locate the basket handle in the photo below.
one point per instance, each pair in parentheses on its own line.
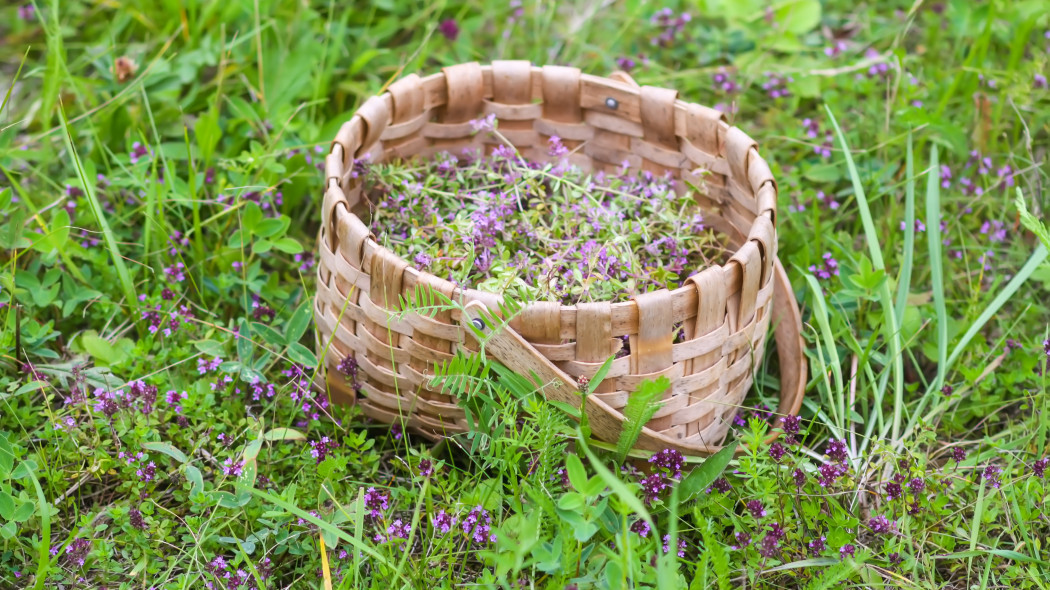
(518,355)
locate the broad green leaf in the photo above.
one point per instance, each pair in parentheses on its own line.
(798,16)
(166,449)
(284,434)
(299,322)
(703,476)
(288,245)
(577,474)
(193,475)
(302,355)
(7,506)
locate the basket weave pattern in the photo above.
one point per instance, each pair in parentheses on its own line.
(723,311)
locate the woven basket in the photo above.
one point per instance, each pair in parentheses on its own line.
(724,311)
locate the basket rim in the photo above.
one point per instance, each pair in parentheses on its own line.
(686,295)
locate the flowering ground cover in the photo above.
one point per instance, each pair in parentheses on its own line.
(543,231)
(159,188)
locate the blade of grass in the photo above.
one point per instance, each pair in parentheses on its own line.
(933,239)
(837,394)
(892,333)
(100,217)
(904,278)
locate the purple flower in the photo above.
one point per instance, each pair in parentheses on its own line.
(828,268)
(232,467)
(1039,81)
(398,530)
(484,124)
(376,501)
(425,467)
(777,451)
(800,477)
(917,485)
(769,546)
(449,28)
(1039,467)
(319,449)
(958,454)
(881,525)
(894,491)
(135,518)
(828,473)
(756,509)
(77,551)
(26,12)
(681,545)
(991,475)
(641,527)
(847,551)
(396,431)
(625,63)
(742,540)
(562,477)
(443,521)
(837,451)
(723,81)
(423,260)
(816,546)
(652,486)
(721,485)
(477,526)
(669,460)
(776,85)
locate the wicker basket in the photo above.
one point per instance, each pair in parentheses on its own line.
(724,310)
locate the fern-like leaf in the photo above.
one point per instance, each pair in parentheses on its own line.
(641,406)
(718,555)
(1030,222)
(832,575)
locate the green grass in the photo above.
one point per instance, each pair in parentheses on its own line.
(929,339)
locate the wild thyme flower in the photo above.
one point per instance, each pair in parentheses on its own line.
(1039,467)
(742,540)
(847,551)
(828,473)
(652,486)
(958,454)
(991,475)
(837,451)
(777,451)
(669,460)
(756,509)
(320,449)
(232,467)
(561,476)
(425,468)
(881,525)
(770,546)
(667,545)
(376,501)
(477,526)
(77,551)
(641,527)
(828,268)
(449,29)
(799,477)
(720,485)
(399,530)
(818,545)
(894,491)
(136,520)
(443,521)
(917,485)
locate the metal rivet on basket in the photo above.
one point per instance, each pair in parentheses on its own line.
(478,323)
(612,103)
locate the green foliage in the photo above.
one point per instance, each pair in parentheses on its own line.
(640,408)
(158,231)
